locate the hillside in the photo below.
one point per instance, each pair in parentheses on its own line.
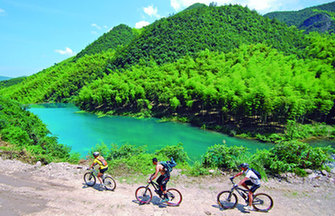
(213,28)
(11,81)
(120,35)
(319,18)
(166,40)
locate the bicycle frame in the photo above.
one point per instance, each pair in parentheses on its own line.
(241,191)
(95,173)
(155,186)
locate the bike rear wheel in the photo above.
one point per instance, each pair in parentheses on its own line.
(262,202)
(174,196)
(110,183)
(89,179)
(143,194)
(227,200)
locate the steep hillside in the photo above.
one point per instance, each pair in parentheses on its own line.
(168,39)
(249,83)
(213,28)
(319,18)
(27,134)
(11,81)
(59,82)
(120,35)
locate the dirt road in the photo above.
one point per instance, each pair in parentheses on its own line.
(58,189)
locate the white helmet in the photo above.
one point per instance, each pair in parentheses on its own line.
(96,154)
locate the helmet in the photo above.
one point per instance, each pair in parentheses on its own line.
(243,165)
(96,154)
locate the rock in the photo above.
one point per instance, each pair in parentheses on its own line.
(211,171)
(324,172)
(208,213)
(38,164)
(309,171)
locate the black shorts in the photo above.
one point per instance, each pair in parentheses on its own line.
(162,181)
(254,187)
(103,170)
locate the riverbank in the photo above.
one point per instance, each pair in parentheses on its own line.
(58,189)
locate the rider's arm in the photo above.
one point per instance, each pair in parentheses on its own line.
(156,173)
(238,174)
(94,163)
(242,181)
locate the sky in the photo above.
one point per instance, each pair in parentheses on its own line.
(36,34)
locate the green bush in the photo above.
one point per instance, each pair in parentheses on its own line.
(293,156)
(223,157)
(176,151)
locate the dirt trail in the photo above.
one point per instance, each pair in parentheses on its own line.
(58,189)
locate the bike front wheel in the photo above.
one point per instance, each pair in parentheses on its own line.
(89,179)
(110,183)
(262,202)
(227,200)
(174,196)
(143,194)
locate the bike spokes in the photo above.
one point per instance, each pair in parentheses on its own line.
(174,196)
(143,195)
(89,179)
(262,202)
(227,200)
(110,183)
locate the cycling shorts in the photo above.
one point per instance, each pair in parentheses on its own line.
(254,187)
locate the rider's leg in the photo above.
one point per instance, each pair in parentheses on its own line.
(164,182)
(101,173)
(251,193)
(99,177)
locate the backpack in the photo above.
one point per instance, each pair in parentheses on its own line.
(102,160)
(257,173)
(168,165)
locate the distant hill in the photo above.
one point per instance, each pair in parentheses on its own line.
(166,40)
(214,28)
(319,18)
(120,35)
(11,81)
(4,78)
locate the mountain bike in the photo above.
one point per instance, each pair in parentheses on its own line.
(228,199)
(144,195)
(90,179)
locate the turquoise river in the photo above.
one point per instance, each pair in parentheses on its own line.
(82,131)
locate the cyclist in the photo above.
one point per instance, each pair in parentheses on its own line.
(163,178)
(250,179)
(98,159)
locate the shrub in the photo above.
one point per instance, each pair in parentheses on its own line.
(223,156)
(176,151)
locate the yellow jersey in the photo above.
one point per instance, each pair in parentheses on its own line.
(98,160)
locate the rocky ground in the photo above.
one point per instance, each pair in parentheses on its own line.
(58,189)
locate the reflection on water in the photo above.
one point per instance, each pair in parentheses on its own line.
(82,131)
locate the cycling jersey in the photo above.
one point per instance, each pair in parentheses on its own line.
(97,161)
(252,176)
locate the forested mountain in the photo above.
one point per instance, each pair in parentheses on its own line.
(61,81)
(30,136)
(319,18)
(120,35)
(166,40)
(214,65)
(213,28)
(11,81)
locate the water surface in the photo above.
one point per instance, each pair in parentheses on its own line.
(82,131)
